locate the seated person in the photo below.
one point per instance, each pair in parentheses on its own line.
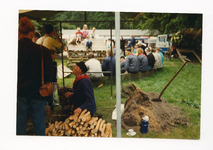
(158,61)
(78,36)
(143,61)
(87,42)
(159,51)
(132,63)
(151,58)
(123,63)
(133,50)
(83,95)
(93,33)
(141,45)
(93,66)
(106,65)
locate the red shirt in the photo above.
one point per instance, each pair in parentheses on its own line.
(78,34)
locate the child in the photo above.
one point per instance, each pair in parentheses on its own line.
(93,33)
(54,82)
(84,32)
(87,42)
(78,36)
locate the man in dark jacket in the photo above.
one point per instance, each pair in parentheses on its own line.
(106,64)
(151,58)
(83,95)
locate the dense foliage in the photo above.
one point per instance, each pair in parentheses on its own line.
(165,23)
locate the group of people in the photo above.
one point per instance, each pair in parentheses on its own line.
(136,57)
(84,36)
(29,101)
(151,59)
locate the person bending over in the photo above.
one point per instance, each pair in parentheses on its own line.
(48,41)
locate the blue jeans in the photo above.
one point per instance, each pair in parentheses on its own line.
(89,44)
(34,107)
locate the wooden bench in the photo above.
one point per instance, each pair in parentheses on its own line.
(106,80)
(79,52)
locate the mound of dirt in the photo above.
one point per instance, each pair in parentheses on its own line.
(162,116)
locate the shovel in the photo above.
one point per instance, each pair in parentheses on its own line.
(159,98)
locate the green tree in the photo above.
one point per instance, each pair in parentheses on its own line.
(169,22)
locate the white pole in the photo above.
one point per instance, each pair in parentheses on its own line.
(118,73)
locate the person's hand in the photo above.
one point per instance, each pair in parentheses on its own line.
(126,72)
(56,83)
(69,94)
(77,110)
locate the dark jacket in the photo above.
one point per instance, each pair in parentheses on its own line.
(83,95)
(143,63)
(151,60)
(55,72)
(29,68)
(132,64)
(122,44)
(106,65)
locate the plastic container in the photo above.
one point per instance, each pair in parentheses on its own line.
(144,126)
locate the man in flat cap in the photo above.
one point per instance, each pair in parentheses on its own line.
(83,95)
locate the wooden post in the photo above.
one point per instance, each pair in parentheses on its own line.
(197,56)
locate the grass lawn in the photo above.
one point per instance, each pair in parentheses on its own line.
(186,86)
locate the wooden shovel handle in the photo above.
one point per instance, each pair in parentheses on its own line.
(171,80)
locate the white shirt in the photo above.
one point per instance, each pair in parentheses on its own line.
(94,65)
(158,61)
(49,42)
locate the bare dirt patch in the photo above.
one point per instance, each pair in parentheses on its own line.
(162,115)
